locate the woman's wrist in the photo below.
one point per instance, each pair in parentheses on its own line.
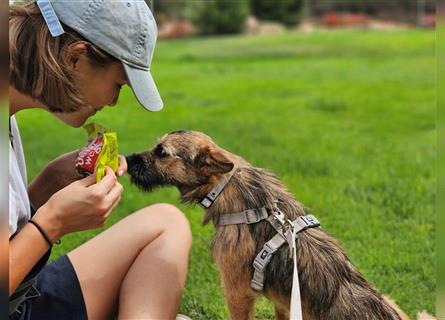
(40,189)
(49,222)
(42,232)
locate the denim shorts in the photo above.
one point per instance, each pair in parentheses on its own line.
(56,295)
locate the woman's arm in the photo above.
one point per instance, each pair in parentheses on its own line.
(55,176)
(82,205)
(26,249)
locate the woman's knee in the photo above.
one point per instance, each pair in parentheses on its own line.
(172,220)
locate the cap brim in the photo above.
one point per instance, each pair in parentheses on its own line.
(144,88)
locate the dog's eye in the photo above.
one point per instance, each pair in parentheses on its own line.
(160,152)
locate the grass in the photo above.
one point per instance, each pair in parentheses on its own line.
(345,119)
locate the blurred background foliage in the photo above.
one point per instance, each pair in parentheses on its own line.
(228,16)
(219,16)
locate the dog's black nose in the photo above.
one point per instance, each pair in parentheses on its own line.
(133,160)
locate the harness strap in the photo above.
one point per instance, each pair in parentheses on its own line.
(262,260)
(276,224)
(304,222)
(247,216)
(214,193)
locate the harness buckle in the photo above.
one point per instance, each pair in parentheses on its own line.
(279,216)
(304,222)
(250,216)
(310,220)
(206,202)
(291,237)
(256,285)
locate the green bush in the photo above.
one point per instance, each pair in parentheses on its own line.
(288,12)
(169,8)
(219,16)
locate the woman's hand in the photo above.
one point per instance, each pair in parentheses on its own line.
(58,174)
(82,205)
(123,167)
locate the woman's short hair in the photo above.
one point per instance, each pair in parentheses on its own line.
(39,62)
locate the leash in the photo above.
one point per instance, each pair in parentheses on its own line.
(295,300)
(287,231)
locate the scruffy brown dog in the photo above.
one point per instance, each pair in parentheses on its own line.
(331,287)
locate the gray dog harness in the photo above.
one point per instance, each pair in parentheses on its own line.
(287,231)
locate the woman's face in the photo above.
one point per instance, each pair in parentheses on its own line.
(99,86)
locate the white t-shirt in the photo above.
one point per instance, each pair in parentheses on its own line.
(19,205)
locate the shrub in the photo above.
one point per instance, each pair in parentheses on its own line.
(288,12)
(219,16)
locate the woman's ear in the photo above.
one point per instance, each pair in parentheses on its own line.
(76,54)
(214,161)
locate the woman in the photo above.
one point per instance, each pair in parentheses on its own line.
(71,58)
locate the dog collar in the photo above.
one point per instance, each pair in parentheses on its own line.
(210,198)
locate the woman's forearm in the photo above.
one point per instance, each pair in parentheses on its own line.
(40,190)
(56,175)
(26,249)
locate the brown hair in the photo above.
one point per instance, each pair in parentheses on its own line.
(39,62)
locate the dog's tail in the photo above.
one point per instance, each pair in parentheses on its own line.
(420,316)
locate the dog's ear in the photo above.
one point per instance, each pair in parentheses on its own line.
(213,161)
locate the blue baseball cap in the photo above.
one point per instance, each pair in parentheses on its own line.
(124,29)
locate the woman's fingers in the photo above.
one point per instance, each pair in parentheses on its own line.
(114,193)
(107,183)
(123,167)
(113,198)
(114,205)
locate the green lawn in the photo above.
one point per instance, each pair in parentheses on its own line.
(345,119)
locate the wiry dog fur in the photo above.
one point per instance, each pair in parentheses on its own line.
(331,287)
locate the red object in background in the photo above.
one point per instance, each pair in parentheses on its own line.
(353,19)
(330,19)
(333,19)
(429,21)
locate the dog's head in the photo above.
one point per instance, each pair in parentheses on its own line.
(185,159)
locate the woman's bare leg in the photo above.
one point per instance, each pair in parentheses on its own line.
(140,264)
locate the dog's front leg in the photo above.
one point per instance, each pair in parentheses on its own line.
(281,314)
(240,303)
(239,296)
